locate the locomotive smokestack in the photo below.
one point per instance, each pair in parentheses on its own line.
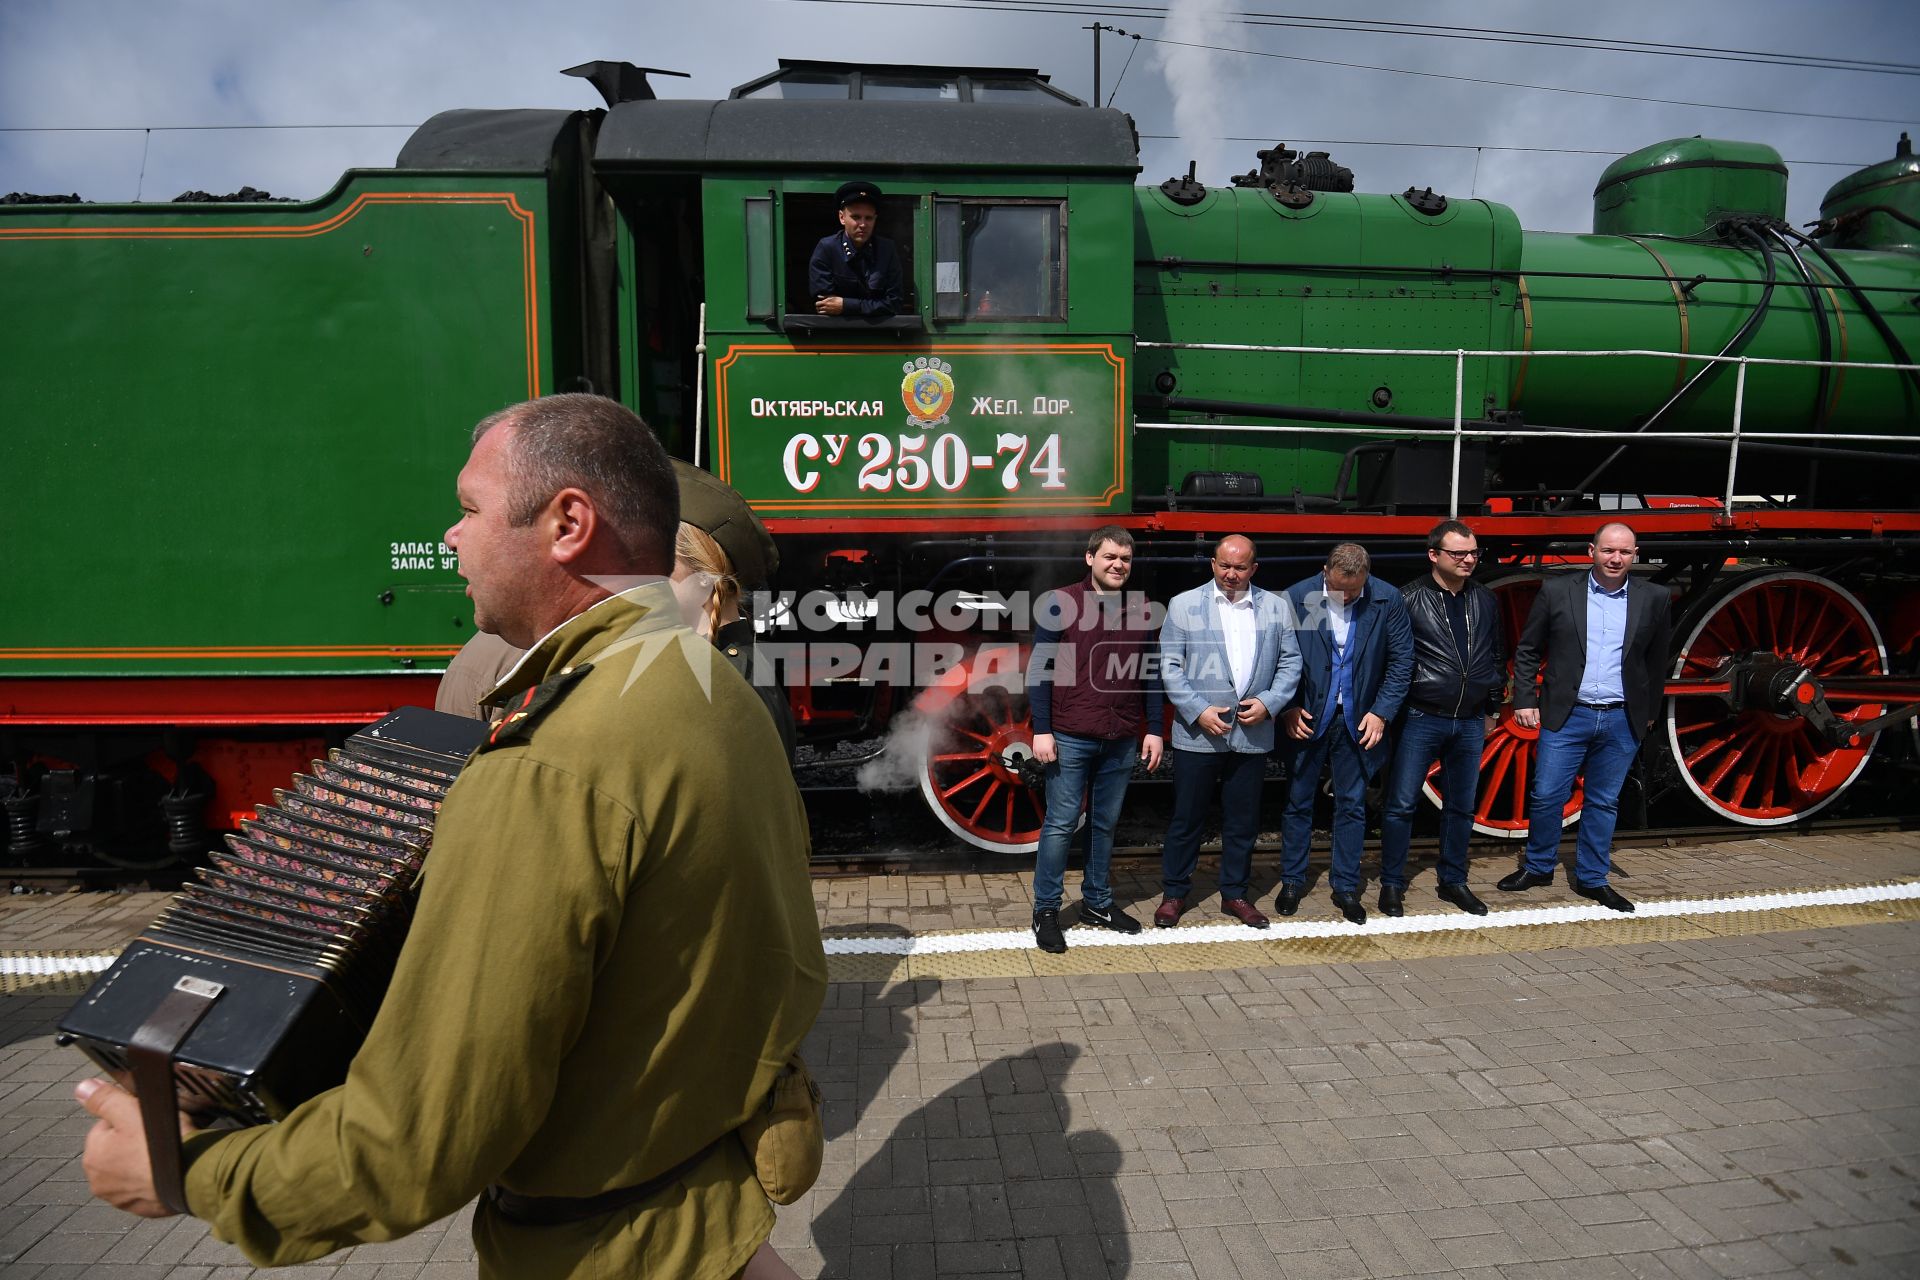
(620,82)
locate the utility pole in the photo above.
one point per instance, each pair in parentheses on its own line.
(1097,28)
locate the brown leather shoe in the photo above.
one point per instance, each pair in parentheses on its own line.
(1168,913)
(1243,911)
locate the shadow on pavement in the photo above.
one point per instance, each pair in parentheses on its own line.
(987,1176)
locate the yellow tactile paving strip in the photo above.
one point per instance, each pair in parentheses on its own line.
(977,922)
(1256,953)
(1188,957)
(67,981)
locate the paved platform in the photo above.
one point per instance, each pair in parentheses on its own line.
(1726,1089)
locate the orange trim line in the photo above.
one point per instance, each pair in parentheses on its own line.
(269,231)
(1680,304)
(1526,344)
(723,453)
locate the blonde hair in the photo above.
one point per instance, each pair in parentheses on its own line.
(697,548)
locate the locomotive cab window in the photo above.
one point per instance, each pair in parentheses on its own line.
(808,217)
(1000,260)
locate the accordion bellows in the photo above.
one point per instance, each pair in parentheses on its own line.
(293,929)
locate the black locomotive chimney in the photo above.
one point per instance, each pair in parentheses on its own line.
(620,82)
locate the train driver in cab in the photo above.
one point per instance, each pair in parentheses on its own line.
(854,272)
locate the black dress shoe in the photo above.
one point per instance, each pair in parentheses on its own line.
(1604,895)
(1524,879)
(1349,904)
(1462,897)
(1392,901)
(1287,901)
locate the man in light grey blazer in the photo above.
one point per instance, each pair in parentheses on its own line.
(1229,663)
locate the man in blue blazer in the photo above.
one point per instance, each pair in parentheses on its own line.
(1229,663)
(1356,653)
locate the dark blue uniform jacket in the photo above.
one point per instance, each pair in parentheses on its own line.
(868,278)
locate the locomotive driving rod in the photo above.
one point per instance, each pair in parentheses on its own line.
(1787,689)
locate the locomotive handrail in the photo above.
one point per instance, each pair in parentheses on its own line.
(1460,431)
(1453,352)
(1544,433)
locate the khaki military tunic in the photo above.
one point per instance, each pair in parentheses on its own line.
(473,673)
(615,951)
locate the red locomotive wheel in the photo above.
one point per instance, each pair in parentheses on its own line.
(1903,648)
(1756,766)
(1506,760)
(978,731)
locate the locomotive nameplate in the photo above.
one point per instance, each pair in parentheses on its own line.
(1007,428)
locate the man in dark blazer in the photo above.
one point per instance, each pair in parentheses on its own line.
(1603,640)
(1356,655)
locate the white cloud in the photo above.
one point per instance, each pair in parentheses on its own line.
(133,62)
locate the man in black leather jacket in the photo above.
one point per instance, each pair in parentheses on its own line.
(1459,682)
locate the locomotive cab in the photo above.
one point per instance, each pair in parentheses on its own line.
(999,387)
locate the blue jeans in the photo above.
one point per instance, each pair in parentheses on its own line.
(1106,766)
(1456,745)
(1196,775)
(1349,807)
(1601,745)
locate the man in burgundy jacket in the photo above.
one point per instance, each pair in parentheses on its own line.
(1097,706)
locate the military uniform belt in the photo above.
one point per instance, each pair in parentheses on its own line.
(554,1211)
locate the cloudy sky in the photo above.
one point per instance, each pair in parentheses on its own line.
(90,67)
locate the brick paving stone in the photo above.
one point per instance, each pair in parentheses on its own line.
(1694,1106)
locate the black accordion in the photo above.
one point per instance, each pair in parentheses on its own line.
(253,989)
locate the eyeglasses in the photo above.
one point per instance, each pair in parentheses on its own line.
(1461,557)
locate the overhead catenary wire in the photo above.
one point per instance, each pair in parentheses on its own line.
(1133,49)
(1491,35)
(1509,84)
(1144,137)
(1154,12)
(1608,44)
(1043,7)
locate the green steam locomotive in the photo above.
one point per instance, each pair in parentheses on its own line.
(232,428)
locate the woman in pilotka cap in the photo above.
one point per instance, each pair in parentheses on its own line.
(722,553)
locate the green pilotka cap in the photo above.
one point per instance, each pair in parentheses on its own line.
(710,505)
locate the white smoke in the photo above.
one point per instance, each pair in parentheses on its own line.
(995,672)
(1198,79)
(910,736)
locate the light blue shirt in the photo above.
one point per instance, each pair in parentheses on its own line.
(1606,636)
